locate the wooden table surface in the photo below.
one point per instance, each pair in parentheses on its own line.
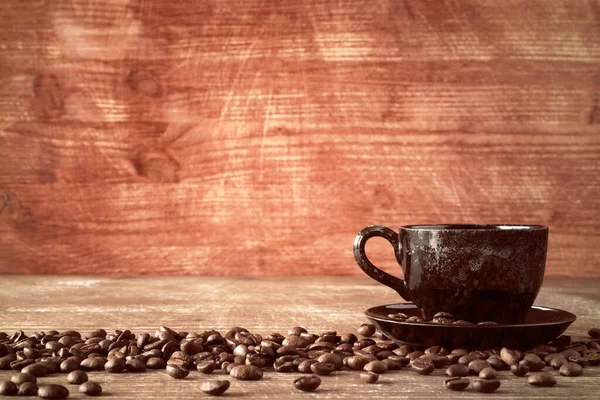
(38,303)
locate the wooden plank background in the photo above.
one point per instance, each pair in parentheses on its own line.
(239,137)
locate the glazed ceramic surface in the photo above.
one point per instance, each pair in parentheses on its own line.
(541,325)
(476,272)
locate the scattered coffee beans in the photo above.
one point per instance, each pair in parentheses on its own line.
(177,372)
(28,389)
(53,392)
(476,366)
(486,385)
(307,383)
(422,367)
(488,373)
(377,367)
(458,370)
(369,377)
(509,356)
(519,369)
(8,388)
(246,356)
(541,379)
(570,369)
(247,372)
(90,389)
(77,377)
(322,368)
(38,369)
(457,383)
(22,377)
(215,387)
(366,330)
(115,366)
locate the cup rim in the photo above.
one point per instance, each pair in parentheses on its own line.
(475,227)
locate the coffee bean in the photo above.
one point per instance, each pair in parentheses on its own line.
(476,366)
(594,359)
(458,370)
(377,367)
(592,345)
(38,369)
(332,359)
(486,385)
(177,372)
(206,366)
(443,318)
(135,365)
(570,369)
(53,392)
(422,367)
(509,356)
(297,330)
(7,360)
(77,377)
(322,368)
(497,363)
(457,383)
(155,363)
(8,388)
(462,322)
(28,389)
(594,333)
(466,359)
(348,338)
(414,355)
(519,369)
(215,387)
(115,366)
(438,361)
(366,330)
(304,366)
(284,366)
(533,362)
(487,323)
(51,363)
(90,389)
(437,350)
(395,364)
(100,333)
(541,379)
(488,373)
(369,377)
(246,372)
(23,377)
(583,361)
(307,383)
(479,355)
(356,363)
(93,364)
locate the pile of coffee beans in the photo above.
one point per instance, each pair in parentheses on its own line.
(243,355)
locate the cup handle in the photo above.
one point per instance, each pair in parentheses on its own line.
(363,262)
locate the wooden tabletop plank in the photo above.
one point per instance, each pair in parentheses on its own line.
(262,305)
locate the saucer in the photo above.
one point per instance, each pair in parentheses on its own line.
(542,324)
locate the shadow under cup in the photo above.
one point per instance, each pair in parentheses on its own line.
(475,272)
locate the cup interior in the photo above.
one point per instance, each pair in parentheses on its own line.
(472,227)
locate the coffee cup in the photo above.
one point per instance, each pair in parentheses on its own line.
(475,272)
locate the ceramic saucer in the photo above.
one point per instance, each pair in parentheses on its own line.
(542,324)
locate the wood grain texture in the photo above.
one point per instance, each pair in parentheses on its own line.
(243,138)
(262,306)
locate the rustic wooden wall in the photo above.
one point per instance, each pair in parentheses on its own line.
(244,137)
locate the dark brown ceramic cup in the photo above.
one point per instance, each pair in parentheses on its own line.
(476,272)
